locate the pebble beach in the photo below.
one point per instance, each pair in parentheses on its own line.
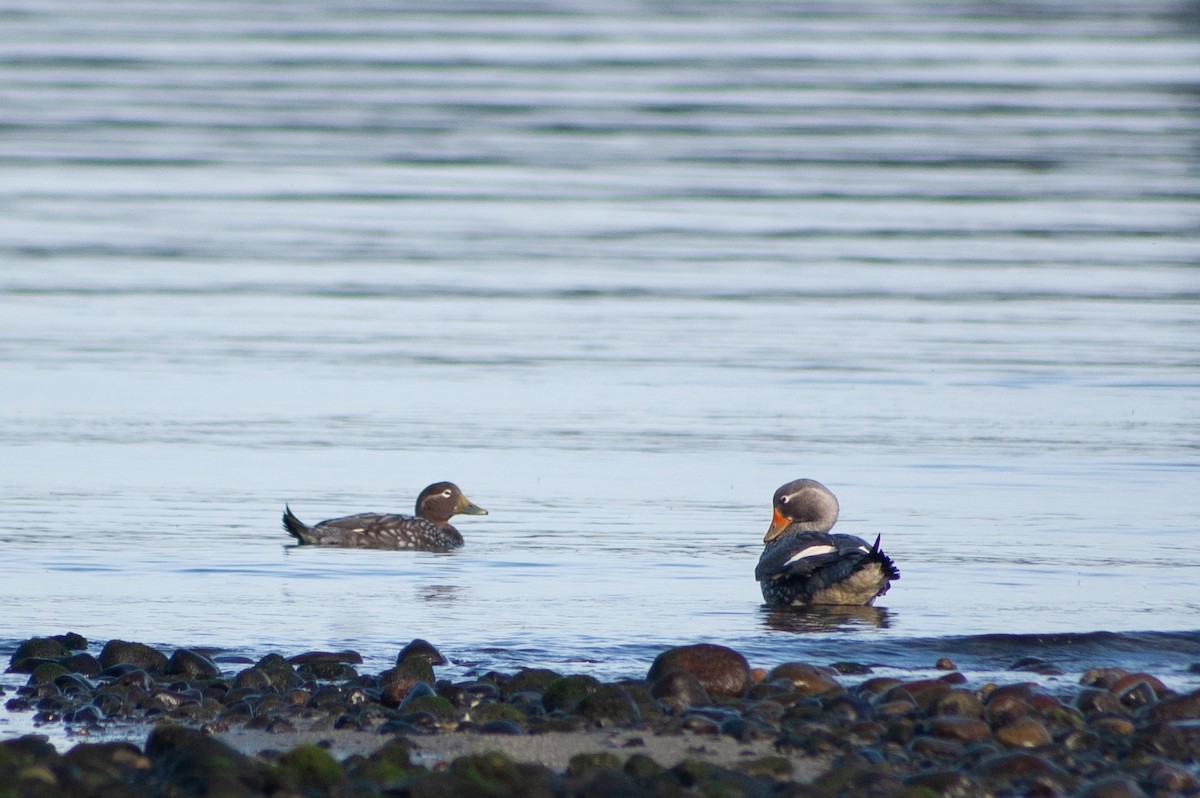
(702,721)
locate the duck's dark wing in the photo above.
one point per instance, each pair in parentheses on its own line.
(823,568)
(800,553)
(378,531)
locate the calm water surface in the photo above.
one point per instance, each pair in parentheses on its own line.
(619,274)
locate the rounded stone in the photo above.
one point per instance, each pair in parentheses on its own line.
(122,652)
(1023,733)
(806,679)
(722,671)
(253,680)
(967,730)
(424,649)
(1113,787)
(1184,707)
(680,690)
(191,665)
(609,705)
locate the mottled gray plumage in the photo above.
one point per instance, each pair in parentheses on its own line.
(803,563)
(428,530)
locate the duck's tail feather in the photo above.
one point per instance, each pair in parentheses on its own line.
(294,526)
(889,567)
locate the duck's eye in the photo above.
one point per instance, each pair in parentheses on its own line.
(446,494)
(784,499)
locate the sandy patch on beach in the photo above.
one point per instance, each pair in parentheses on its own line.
(554,750)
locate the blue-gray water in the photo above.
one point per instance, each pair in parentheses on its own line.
(619,273)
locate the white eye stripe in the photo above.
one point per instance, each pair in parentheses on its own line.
(811,551)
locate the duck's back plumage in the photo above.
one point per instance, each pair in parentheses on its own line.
(428,530)
(375,531)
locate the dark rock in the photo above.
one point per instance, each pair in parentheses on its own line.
(946,664)
(680,690)
(1113,787)
(526,680)
(327,671)
(806,679)
(1178,708)
(722,671)
(486,713)
(583,764)
(209,767)
(962,703)
(1023,733)
(566,693)
(139,655)
(1035,665)
(46,673)
(424,649)
(962,729)
(1023,769)
(83,663)
(191,665)
(609,705)
(851,668)
(396,683)
(279,671)
(505,727)
(308,767)
(35,650)
(310,657)
(252,680)
(945,783)
(1092,700)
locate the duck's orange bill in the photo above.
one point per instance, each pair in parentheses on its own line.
(778,524)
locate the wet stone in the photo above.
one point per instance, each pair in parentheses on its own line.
(424,649)
(191,665)
(327,671)
(722,671)
(1114,787)
(806,679)
(139,655)
(567,693)
(1178,708)
(82,663)
(529,680)
(252,679)
(1023,733)
(680,690)
(961,729)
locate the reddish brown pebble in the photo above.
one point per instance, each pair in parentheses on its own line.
(1115,787)
(807,679)
(721,670)
(944,664)
(1113,724)
(1023,733)
(967,730)
(1184,707)
(1125,682)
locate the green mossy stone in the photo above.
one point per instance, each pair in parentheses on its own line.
(435,705)
(486,713)
(309,766)
(583,764)
(529,680)
(566,693)
(46,673)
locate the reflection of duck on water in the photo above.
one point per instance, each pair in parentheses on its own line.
(428,530)
(804,564)
(825,618)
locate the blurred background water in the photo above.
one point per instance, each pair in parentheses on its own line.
(618,272)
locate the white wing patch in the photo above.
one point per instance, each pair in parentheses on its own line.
(811,551)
